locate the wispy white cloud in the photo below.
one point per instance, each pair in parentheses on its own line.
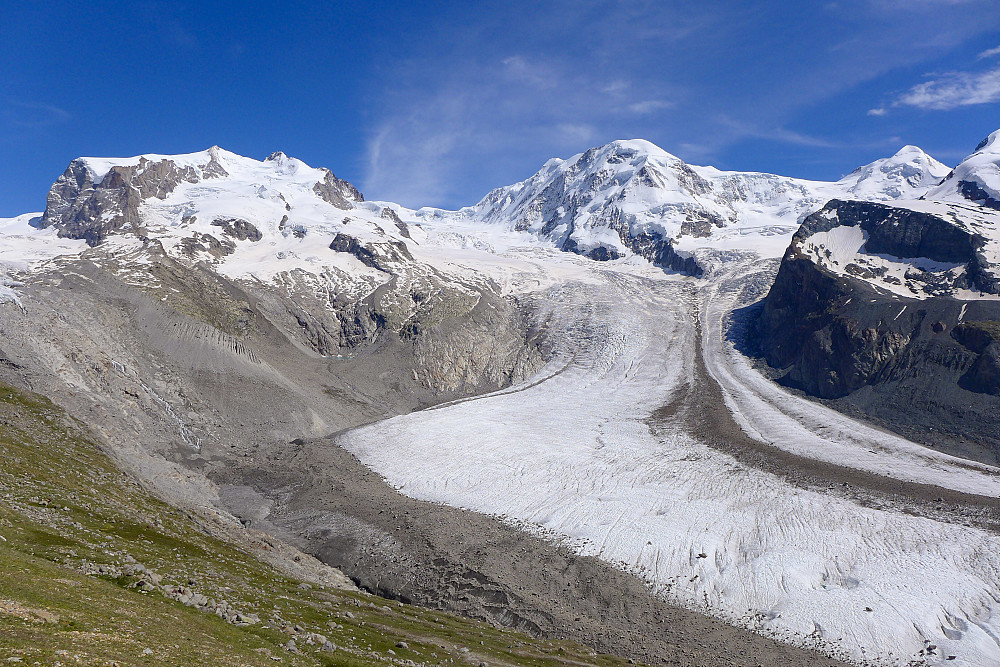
(954,89)
(989,53)
(35,114)
(435,139)
(577,133)
(649,106)
(878,111)
(518,69)
(747,129)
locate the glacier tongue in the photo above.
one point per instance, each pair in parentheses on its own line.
(572,453)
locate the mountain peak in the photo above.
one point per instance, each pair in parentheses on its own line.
(908,173)
(630,150)
(991,144)
(976,178)
(96,197)
(910,151)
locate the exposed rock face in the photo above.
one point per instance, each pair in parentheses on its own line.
(83,207)
(207,243)
(375,255)
(975,192)
(897,231)
(925,364)
(895,234)
(238,229)
(337,191)
(389,214)
(828,352)
(982,338)
(661,252)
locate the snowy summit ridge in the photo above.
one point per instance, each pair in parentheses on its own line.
(619,198)
(625,198)
(977,178)
(946,242)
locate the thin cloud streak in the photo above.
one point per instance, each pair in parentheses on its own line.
(35,114)
(989,53)
(953,90)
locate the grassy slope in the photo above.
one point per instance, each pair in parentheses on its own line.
(65,508)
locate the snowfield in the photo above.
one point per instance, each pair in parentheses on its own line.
(570,453)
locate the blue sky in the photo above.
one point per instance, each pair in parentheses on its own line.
(437,103)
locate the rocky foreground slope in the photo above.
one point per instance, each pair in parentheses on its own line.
(893,309)
(98,571)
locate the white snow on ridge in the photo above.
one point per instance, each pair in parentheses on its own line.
(655,192)
(842,250)
(296,237)
(981,168)
(638,186)
(24,248)
(905,175)
(276,196)
(233,163)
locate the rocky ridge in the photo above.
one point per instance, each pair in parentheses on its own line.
(890,309)
(632,197)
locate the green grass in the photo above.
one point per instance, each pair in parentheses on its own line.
(63,504)
(990,327)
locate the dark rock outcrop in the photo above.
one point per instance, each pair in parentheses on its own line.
(661,252)
(389,214)
(337,191)
(207,243)
(982,338)
(81,208)
(376,255)
(655,248)
(896,231)
(974,192)
(238,228)
(929,368)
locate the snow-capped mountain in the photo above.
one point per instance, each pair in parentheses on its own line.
(894,304)
(632,196)
(241,215)
(210,312)
(945,242)
(976,179)
(905,175)
(337,271)
(262,218)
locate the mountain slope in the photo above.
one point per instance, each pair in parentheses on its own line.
(906,175)
(633,197)
(107,573)
(225,324)
(891,309)
(976,179)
